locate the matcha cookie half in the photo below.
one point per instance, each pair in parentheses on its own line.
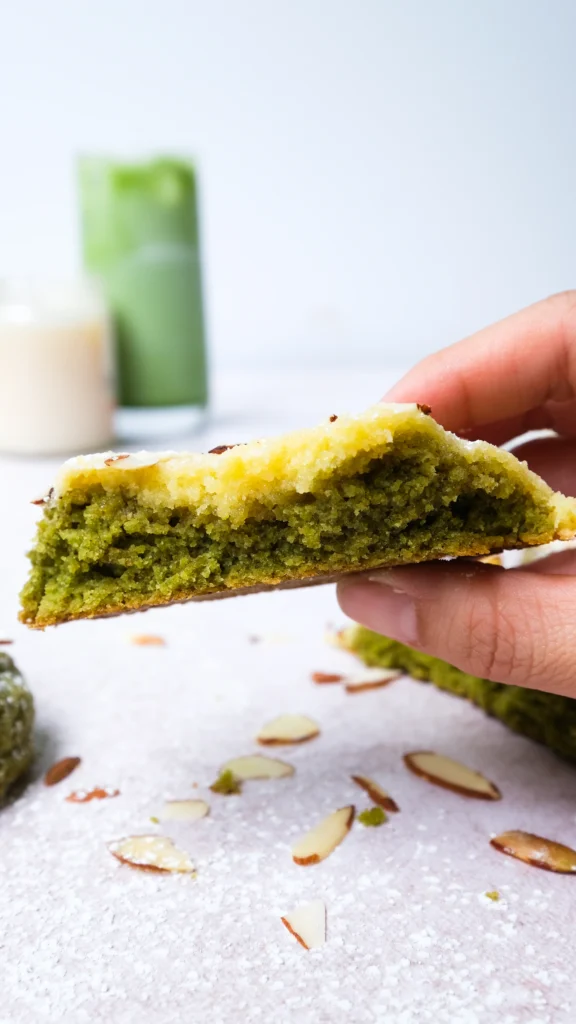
(16,724)
(388,487)
(544,717)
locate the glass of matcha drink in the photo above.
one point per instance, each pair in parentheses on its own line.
(140,238)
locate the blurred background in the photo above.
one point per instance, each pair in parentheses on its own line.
(377,178)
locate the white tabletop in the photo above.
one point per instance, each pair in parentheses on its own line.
(411,935)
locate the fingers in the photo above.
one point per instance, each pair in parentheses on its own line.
(508,626)
(554,459)
(560,563)
(516,375)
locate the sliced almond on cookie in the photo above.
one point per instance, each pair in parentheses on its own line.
(307,924)
(258,766)
(288,729)
(184,810)
(370,679)
(449,774)
(152,853)
(377,794)
(320,841)
(535,850)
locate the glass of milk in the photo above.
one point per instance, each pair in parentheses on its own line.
(56,368)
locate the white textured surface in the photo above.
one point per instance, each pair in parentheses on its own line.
(410,936)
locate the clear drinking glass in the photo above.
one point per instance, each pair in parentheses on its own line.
(57,368)
(140,236)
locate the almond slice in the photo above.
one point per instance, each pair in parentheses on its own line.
(184,810)
(287,729)
(326,677)
(449,774)
(258,766)
(376,793)
(44,499)
(61,770)
(116,458)
(152,853)
(307,924)
(84,796)
(320,841)
(535,850)
(340,638)
(370,679)
(491,559)
(148,640)
(336,638)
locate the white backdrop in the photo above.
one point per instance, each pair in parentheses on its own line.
(379,177)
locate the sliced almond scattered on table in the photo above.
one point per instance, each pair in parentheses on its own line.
(338,637)
(148,640)
(288,729)
(320,841)
(376,793)
(307,924)
(258,766)
(152,853)
(326,677)
(370,679)
(61,770)
(449,774)
(535,850)
(84,796)
(184,810)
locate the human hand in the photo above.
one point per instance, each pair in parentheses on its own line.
(512,626)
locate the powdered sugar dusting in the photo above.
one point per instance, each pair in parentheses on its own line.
(411,936)
(405,904)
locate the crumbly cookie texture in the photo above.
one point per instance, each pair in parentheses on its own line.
(16,724)
(388,487)
(544,717)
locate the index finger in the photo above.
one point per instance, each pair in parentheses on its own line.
(518,375)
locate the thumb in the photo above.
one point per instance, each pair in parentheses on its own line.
(505,625)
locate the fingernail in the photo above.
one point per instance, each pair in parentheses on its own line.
(381,607)
(386,578)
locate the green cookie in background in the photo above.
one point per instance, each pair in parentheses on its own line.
(544,717)
(16,724)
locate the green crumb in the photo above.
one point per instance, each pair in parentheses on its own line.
(227,784)
(16,724)
(373,817)
(544,717)
(493,895)
(154,819)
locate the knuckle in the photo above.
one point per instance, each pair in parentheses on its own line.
(507,629)
(494,640)
(494,648)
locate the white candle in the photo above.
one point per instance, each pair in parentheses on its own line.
(55,368)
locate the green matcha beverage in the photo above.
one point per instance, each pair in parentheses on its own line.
(140,237)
